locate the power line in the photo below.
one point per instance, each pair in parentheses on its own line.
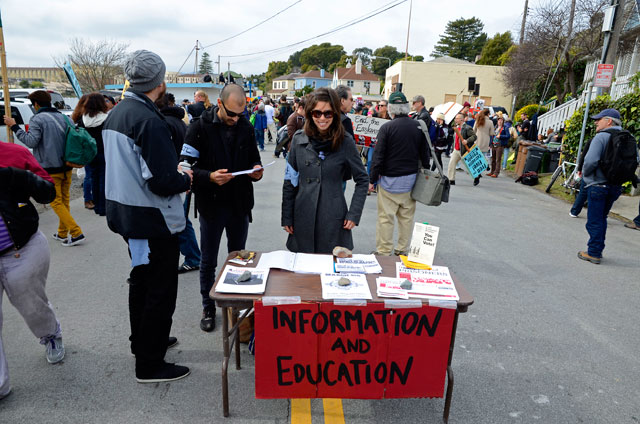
(185,61)
(348,24)
(256,25)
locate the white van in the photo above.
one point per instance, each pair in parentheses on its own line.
(57,100)
(21,111)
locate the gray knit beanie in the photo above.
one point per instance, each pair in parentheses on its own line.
(144,70)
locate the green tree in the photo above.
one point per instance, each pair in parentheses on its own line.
(379,66)
(37,84)
(364,53)
(206,67)
(462,39)
(294,59)
(24,84)
(303,91)
(493,51)
(321,55)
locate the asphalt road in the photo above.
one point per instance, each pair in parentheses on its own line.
(549,339)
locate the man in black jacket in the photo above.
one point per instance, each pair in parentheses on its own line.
(401,144)
(221,142)
(417,104)
(144,206)
(24,251)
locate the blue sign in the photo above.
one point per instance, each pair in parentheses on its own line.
(475,161)
(72,79)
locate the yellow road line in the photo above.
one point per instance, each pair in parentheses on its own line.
(300,411)
(333,413)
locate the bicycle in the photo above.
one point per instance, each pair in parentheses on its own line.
(569,179)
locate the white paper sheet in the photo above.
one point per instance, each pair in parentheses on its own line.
(304,263)
(358,289)
(249,171)
(369,262)
(433,283)
(256,285)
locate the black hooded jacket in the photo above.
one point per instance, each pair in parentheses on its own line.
(174,115)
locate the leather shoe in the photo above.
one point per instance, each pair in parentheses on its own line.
(208,321)
(633,226)
(586,257)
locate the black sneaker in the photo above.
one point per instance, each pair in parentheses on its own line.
(187,268)
(452,182)
(476,181)
(165,372)
(72,241)
(57,237)
(208,321)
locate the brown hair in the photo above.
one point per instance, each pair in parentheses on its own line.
(482,117)
(95,104)
(207,102)
(76,116)
(41,97)
(336,130)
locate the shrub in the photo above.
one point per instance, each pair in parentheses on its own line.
(530,110)
(628,106)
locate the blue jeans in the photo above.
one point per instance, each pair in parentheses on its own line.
(86,185)
(505,158)
(187,238)
(369,160)
(260,138)
(581,198)
(236,227)
(600,199)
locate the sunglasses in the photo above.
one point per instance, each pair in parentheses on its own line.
(318,113)
(230,113)
(382,105)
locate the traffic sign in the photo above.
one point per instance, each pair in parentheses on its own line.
(604,75)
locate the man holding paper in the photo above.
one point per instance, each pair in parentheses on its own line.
(220,143)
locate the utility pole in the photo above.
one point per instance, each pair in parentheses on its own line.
(195,69)
(228,72)
(524,20)
(406,51)
(218,62)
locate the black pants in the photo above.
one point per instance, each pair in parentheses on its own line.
(439,158)
(236,226)
(152,301)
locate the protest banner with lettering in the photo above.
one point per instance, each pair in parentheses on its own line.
(475,161)
(323,350)
(366,129)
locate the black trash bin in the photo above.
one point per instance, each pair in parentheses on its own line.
(534,159)
(554,159)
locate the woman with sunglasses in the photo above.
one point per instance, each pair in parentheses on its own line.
(314,210)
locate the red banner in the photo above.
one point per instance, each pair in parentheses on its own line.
(329,351)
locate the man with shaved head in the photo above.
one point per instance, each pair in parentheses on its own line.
(221,142)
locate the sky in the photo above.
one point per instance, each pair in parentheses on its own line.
(37,31)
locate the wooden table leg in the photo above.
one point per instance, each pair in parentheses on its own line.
(234,320)
(449,395)
(225,361)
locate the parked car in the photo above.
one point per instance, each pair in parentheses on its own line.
(57,100)
(21,111)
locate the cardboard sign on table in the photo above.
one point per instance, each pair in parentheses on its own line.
(423,243)
(359,352)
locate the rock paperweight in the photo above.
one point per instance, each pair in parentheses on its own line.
(344,281)
(246,276)
(406,284)
(244,254)
(342,252)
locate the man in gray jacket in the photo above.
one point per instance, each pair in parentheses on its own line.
(601,194)
(46,136)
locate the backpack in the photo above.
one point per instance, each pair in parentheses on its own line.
(620,158)
(80,148)
(528,178)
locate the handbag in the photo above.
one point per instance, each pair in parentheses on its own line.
(431,188)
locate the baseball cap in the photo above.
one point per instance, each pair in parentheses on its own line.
(607,113)
(397,98)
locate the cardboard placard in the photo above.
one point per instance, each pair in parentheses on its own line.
(365,129)
(423,243)
(351,352)
(475,161)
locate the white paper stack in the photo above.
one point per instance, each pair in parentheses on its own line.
(229,283)
(433,283)
(358,289)
(304,263)
(369,262)
(390,287)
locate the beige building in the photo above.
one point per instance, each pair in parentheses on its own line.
(44,75)
(446,79)
(284,84)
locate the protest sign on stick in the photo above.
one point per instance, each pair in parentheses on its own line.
(366,129)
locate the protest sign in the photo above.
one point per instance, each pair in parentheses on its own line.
(353,352)
(366,129)
(475,161)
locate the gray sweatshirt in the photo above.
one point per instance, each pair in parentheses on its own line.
(46,136)
(591,173)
